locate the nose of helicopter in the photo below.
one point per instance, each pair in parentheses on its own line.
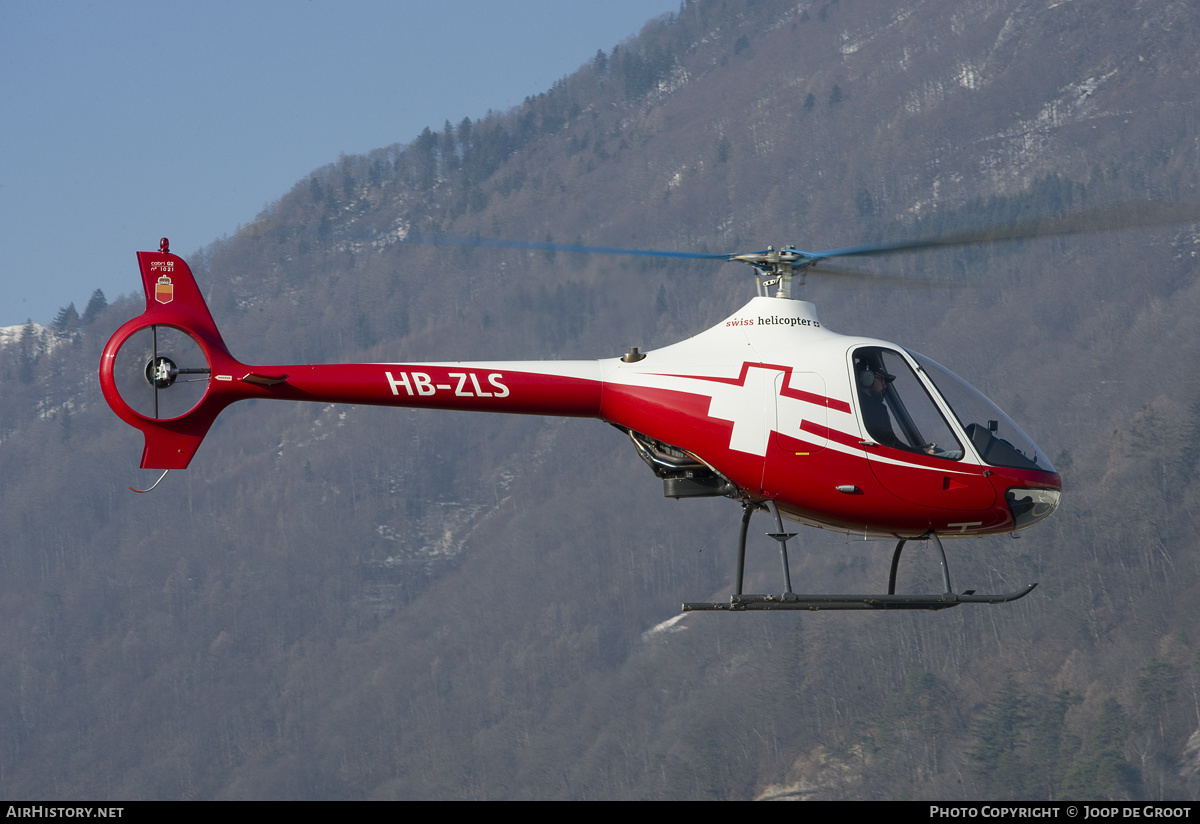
(1031,505)
(1018,469)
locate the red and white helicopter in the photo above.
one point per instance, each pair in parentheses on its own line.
(768,407)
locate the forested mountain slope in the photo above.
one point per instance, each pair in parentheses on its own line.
(343,602)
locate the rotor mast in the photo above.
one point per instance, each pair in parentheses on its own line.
(780,268)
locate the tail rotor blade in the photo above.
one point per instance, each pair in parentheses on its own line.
(152,377)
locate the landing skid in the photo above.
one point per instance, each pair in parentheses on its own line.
(790,600)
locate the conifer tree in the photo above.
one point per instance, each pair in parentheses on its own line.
(997,736)
(1050,748)
(66,319)
(1106,774)
(95,305)
(28,346)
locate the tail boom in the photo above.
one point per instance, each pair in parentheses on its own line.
(566,388)
(174,301)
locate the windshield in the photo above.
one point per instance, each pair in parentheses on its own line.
(998,440)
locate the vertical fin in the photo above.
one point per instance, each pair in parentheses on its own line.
(173,300)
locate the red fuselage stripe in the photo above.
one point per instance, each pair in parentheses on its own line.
(787,391)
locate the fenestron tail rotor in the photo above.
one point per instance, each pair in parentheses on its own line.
(167,372)
(161,372)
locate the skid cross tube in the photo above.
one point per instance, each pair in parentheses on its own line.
(739,602)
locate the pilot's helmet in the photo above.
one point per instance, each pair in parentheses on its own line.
(868,372)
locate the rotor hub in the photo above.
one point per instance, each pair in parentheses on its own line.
(777,267)
(161,372)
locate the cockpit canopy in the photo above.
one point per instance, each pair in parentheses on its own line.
(900,410)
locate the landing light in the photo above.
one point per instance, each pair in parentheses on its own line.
(1028,506)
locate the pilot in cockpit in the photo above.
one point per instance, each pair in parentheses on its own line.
(873,381)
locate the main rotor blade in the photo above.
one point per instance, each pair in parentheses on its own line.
(885,281)
(1132,215)
(547,246)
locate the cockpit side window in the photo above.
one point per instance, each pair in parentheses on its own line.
(897,410)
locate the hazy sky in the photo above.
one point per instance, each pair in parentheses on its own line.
(121,122)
